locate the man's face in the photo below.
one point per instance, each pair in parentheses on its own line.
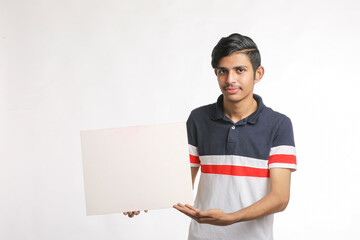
(236,77)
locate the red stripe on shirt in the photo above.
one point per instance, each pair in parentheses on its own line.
(194,159)
(235,170)
(282,158)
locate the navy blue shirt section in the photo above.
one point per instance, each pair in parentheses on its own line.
(213,133)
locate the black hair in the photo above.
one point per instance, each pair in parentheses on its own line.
(234,43)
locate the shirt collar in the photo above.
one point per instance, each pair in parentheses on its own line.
(252,119)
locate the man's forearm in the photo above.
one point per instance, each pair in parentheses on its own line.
(275,201)
(271,203)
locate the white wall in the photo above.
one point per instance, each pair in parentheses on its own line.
(67,66)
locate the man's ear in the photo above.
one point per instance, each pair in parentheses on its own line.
(215,72)
(259,74)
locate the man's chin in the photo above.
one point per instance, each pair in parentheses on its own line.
(234,98)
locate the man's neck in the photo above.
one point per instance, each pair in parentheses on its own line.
(240,110)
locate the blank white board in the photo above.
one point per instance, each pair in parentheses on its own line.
(136,168)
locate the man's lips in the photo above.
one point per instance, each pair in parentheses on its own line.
(232,90)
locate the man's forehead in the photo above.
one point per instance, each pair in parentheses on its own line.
(238,58)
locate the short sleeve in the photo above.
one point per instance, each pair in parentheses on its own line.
(283,152)
(192,141)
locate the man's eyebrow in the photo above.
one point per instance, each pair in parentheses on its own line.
(240,66)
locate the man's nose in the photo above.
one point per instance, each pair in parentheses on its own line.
(231,77)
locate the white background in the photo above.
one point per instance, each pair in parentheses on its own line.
(67,66)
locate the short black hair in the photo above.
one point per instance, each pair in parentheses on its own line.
(234,43)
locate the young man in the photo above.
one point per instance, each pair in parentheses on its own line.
(245,150)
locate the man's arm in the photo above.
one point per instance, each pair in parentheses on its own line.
(194,171)
(275,201)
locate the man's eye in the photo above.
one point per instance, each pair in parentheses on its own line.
(240,70)
(221,71)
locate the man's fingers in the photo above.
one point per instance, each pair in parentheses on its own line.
(194,213)
(197,211)
(185,210)
(181,208)
(131,214)
(127,213)
(192,208)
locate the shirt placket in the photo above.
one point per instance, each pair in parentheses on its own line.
(233,135)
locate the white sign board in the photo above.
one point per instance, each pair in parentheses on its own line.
(136,168)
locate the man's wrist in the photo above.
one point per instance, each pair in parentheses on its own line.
(235,217)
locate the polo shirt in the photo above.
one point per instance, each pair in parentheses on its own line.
(235,159)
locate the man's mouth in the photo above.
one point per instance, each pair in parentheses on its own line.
(232,90)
